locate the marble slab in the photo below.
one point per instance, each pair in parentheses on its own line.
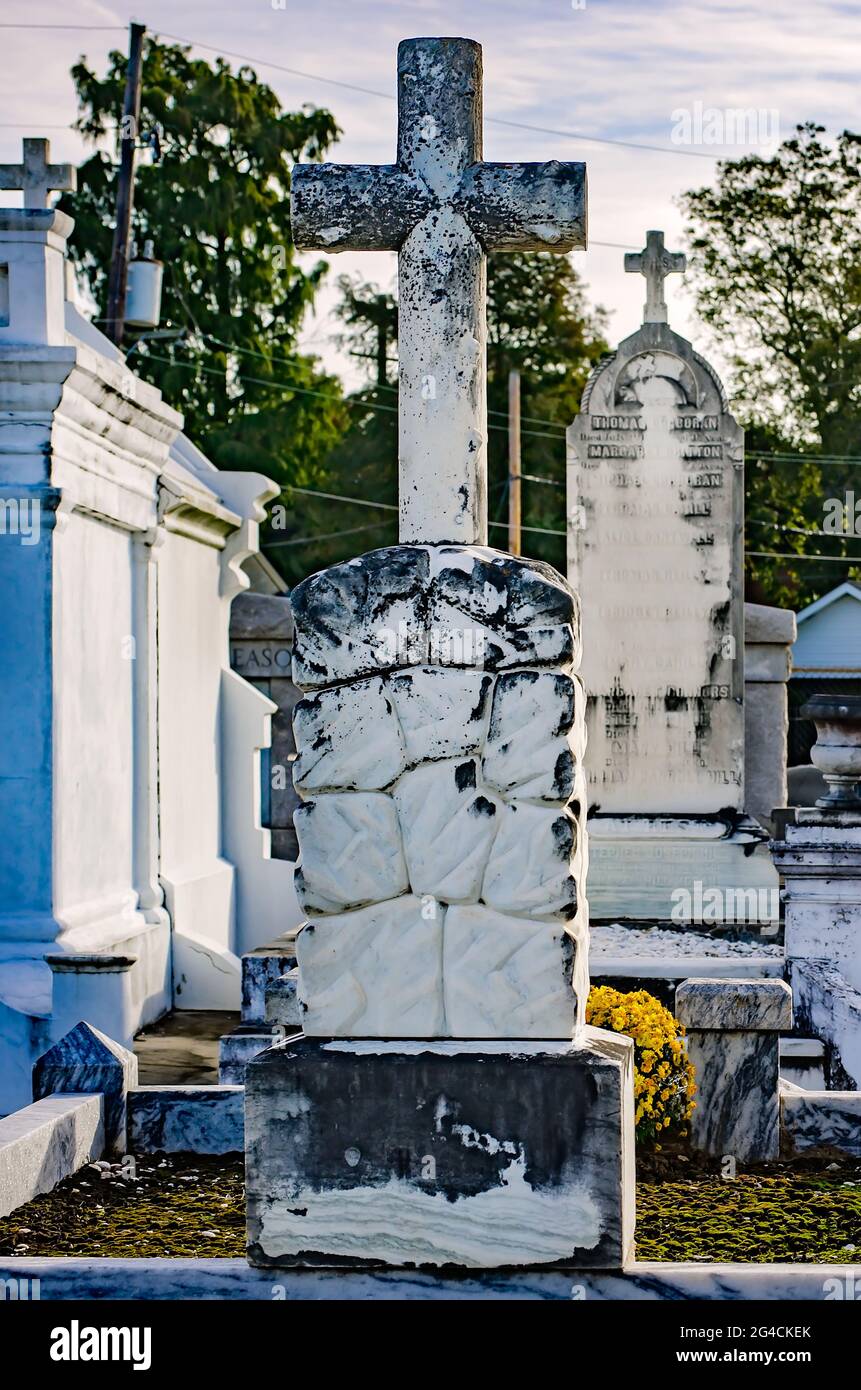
(443,712)
(489,1154)
(511,974)
(282,1002)
(655,488)
(533,865)
(737,1109)
(234,1280)
(260,968)
(47,1142)
(665,869)
(187,1119)
(817,1119)
(344,614)
(530,751)
(85,1060)
(448,824)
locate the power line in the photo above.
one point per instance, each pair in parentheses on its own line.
(790,555)
(101,28)
(490,120)
(337,497)
(390,507)
(267,381)
(797,457)
(328,536)
(796,530)
(387,96)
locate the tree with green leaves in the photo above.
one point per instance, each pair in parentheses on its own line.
(538,322)
(777,275)
(216,205)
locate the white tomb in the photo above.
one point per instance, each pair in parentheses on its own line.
(129,772)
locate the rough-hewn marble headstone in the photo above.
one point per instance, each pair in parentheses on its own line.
(442,832)
(445,1105)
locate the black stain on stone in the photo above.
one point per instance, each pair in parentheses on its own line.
(465,777)
(477,712)
(563,773)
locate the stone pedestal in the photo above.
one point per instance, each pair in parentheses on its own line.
(95,985)
(261,649)
(819,857)
(441,1154)
(768,637)
(820,860)
(733,1029)
(443,852)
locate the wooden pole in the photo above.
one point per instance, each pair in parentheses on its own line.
(117,281)
(514,477)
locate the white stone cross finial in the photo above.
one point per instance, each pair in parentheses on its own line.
(36,176)
(442,209)
(656,263)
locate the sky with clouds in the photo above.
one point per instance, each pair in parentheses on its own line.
(617,70)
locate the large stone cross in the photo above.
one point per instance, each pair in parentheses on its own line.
(656,263)
(36,177)
(442,209)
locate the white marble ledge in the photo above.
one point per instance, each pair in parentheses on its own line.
(684,967)
(232,1279)
(620,941)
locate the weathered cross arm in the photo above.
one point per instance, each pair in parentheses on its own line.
(374,207)
(355,207)
(525,207)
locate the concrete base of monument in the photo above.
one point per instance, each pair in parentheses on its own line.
(708,871)
(441,1155)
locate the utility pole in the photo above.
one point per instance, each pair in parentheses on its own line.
(514,483)
(117,280)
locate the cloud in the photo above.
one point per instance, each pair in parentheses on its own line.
(616,68)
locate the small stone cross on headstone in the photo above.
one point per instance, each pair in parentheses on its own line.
(442,208)
(656,263)
(36,177)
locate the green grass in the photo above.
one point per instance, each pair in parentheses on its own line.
(192,1206)
(756,1217)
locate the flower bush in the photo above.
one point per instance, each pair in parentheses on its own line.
(663,1074)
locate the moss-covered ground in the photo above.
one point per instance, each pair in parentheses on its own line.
(807,1211)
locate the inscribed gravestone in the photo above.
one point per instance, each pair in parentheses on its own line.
(655,479)
(655,549)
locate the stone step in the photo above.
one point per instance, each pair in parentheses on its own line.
(261,968)
(802,1062)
